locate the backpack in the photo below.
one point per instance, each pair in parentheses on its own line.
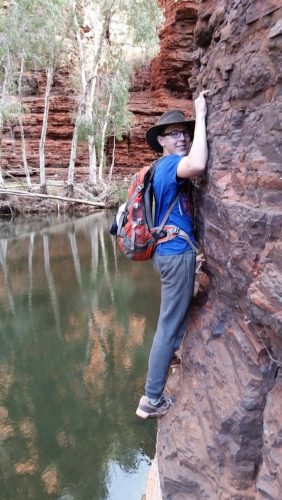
(136,236)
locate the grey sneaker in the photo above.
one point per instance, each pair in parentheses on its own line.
(148,410)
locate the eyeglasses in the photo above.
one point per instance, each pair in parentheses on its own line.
(176,134)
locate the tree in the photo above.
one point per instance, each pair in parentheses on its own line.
(103,91)
(33,36)
(3,109)
(111,114)
(88,84)
(82,99)
(16,38)
(7,107)
(52,30)
(19,27)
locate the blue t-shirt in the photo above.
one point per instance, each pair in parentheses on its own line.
(166,185)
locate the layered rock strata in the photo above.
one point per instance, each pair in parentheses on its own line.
(59,132)
(223,438)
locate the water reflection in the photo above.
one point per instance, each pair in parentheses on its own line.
(76,322)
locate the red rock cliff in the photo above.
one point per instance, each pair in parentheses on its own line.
(223,438)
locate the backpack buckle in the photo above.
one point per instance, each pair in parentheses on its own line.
(175,230)
(158,235)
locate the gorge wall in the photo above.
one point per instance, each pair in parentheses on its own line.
(223,438)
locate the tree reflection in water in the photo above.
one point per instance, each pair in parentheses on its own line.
(76,323)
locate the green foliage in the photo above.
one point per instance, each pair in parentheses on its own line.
(9,111)
(31,33)
(143,19)
(35,30)
(120,193)
(116,84)
(85,128)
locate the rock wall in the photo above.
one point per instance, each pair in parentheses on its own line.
(223,438)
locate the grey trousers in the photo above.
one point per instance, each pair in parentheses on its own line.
(177,274)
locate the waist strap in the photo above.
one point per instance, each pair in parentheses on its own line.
(172,232)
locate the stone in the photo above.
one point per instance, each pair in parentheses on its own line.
(276,30)
(223,437)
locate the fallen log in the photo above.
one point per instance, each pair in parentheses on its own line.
(51,196)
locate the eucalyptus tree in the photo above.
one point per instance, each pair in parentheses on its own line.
(7,103)
(111,113)
(53,27)
(33,36)
(18,47)
(103,90)
(4,110)
(82,98)
(121,118)
(89,59)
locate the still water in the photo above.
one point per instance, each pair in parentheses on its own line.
(76,324)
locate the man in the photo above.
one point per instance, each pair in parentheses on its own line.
(174,258)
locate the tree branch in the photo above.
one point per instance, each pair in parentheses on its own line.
(51,196)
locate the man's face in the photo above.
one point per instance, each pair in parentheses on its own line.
(171,143)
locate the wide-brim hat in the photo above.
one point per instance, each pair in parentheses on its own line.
(168,118)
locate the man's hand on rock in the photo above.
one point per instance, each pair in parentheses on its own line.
(200,104)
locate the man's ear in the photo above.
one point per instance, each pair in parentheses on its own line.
(161,139)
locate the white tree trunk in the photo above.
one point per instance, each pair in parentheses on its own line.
(71,168)
(92,88)
(4,91)
(92,161)
(50,74)
(91,142)
(25,164)
(113,158)
(81,57)
(89,106)
(103,137)
(87,98)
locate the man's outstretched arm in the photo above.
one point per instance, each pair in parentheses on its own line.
(195,162)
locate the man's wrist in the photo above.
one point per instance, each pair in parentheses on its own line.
(201,115)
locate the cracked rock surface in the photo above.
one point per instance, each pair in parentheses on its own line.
(223,438)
